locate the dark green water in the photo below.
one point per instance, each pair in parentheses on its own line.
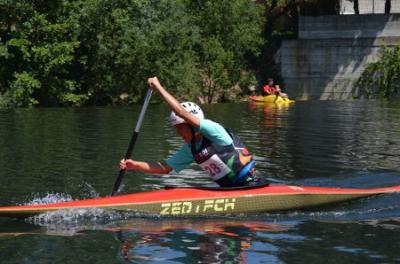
(56,154)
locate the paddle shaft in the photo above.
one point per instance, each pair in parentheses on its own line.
(132,142)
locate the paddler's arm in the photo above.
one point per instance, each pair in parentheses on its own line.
(173,103)
(146,167)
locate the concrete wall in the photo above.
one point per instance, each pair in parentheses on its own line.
(332,52)
(349,26)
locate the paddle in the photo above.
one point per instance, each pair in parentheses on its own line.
(133,140)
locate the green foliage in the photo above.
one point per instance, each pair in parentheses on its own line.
(39,43)
(22,89)
(229,31)
(76,52)
(137,39)
(381,78)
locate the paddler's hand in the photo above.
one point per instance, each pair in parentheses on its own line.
(154,83)
(126,164)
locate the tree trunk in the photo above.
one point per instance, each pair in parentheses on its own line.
(355,6)
(388,6)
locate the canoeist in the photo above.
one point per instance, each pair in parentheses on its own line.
(271,89)
(217,150)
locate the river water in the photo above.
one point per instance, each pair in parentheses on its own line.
(62,154)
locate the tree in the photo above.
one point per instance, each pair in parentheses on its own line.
(125,42)
(98,52)
(38,42)
(388,6)
(356,7)
(230,30)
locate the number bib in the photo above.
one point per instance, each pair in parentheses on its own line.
(215,167)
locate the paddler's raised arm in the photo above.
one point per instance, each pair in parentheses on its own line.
(146,167)
(173,103)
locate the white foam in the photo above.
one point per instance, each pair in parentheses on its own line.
(50,198)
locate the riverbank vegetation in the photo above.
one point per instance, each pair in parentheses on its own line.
(381,79)
(100,52)
(97,52)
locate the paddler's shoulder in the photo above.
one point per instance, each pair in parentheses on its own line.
(209,124)
(215,132)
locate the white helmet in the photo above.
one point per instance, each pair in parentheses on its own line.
(192,108)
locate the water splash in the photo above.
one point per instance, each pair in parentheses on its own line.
(49,198)
(73,221)
(86,191)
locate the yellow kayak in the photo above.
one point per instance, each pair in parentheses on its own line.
(277,99)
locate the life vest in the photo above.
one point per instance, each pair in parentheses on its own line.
(228,166)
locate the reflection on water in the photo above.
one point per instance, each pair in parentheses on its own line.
(163,240)
(75,153)
(205,241)
(220,240)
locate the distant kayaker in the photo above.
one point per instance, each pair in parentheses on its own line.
(209,144)
(272,89)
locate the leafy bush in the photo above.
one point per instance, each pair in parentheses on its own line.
(381,78)
(22,89)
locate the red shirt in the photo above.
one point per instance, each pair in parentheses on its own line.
(270,89)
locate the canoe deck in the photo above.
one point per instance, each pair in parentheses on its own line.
(200,202)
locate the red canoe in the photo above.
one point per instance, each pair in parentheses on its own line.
(208,201)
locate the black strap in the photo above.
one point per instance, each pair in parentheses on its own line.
(219,188)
